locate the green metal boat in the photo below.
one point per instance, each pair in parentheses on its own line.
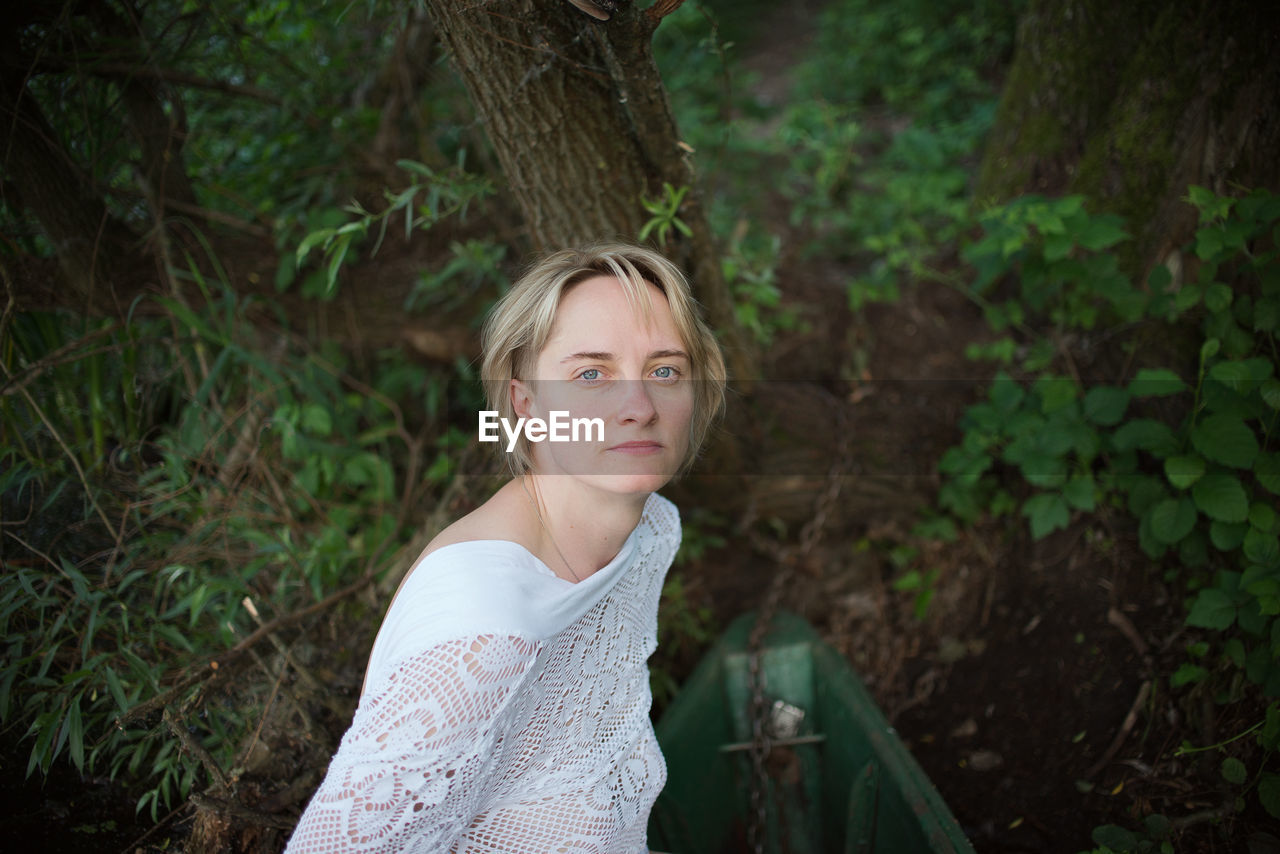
(836,778)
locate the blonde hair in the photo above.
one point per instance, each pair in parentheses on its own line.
(520,323)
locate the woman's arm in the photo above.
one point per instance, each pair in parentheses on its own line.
(412,770)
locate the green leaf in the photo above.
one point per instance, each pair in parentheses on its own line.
(1158,826)
(1270,737)
(1100,232)
(286,272)
(1217,297)
(310,241)
(316,419)
(1262,516)
(1159,278)
(1261,548)
(1227,536)
(1151,547)
(1187,297)
(75,733)
(1055,393)
(1188,674)
(1145,434)
(1233,771)
(1209,349)
(1270,391)
(1258,664)
(1079,492)
(1183,471)
(1213,609)
(1234,374)
(1144,492)
(1172,519)
(1234,650)
(1266,314)
(1156,382)
(1006,393)
(1057,246)
(337,254)
(1193,550)
(1269,793)
(1043,470)
(1106,405)
(1220,496)
(1225,439)
(1115,837)
(1267,472)
(1208,243)
(116,689)
(1047,512)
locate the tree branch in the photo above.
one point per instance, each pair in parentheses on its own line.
(661,9)
(199,674)
(167,75)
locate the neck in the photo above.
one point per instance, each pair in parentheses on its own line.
(583,528)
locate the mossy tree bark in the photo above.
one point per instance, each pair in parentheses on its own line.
(579,118)
(1129,103)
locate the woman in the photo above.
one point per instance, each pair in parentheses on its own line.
(506,702)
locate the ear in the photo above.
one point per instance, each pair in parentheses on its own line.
(522,399)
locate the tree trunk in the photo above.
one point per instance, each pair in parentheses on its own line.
(93,248)
(1129,103)
(160,134)
(577,113)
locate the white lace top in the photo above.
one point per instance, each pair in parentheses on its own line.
(505,709)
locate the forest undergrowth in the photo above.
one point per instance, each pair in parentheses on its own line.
(206,504)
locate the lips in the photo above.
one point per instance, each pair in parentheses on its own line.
(638,447)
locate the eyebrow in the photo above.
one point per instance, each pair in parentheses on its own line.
(610,357)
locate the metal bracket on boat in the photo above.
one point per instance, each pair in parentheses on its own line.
(782,728)
(737,746)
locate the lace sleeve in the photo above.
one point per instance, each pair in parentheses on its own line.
(411,771)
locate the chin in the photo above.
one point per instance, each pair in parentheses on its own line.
(631,483)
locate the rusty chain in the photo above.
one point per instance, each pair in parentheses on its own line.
(788,558)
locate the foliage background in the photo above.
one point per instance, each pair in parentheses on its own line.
(209,489)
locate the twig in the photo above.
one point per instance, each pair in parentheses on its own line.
(58,357)
(136,844)
(661,9)
(1117,618)
(119,546)
(1186,821)
(304,674)
(242,812)
(75,463)
(201,674)
(219,217)
(1125,728)
(168,75)
(262,719)
(197,750)
(308,722)
(49,560)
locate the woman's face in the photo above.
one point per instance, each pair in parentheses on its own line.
(605,360)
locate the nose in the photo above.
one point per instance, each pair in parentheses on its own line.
(636,406)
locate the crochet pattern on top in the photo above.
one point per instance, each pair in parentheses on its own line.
(526,730)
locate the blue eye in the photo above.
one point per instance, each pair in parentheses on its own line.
(666,372)
(590,374)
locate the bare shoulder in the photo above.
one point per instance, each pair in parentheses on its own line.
(499,518)
(504,516)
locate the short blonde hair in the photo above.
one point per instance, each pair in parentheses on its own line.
(520,323)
